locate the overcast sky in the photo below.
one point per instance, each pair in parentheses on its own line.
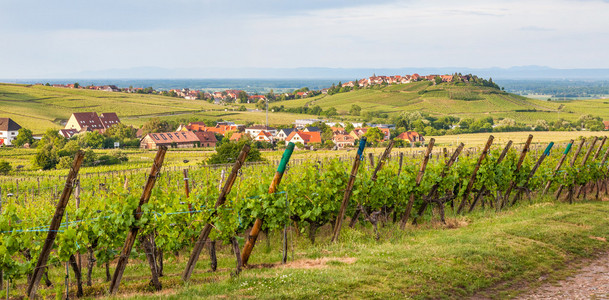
(42,38)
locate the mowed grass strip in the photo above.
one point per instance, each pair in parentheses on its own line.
(498,254)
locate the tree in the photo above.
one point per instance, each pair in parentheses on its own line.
(155,125)
(331,112)
(5,167)
(91,140)
(355,110)
(242,97)
(76,85)
(24,136)
(228,152)
(261,104)
(349,127)
(438,79)
(374,135)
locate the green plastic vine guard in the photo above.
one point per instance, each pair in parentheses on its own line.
(285,158)
(360,150)
(568,148)
(547,152)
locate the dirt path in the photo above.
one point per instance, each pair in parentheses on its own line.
(590,282)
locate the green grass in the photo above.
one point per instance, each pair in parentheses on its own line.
(495,255)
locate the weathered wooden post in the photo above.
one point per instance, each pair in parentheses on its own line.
(418,180)
(253,235)
(576,190)
(571,164)
(472,179)
(523,154)
(343,207)
(483,189)
(196,251)
(560,162)
(401,161)
(539,162)
(137,214)
(434,188)
(55,223)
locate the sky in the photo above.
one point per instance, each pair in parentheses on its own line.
(60,37)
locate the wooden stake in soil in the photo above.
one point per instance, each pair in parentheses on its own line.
(483,189)
(578,188)
(560,162)
(406,214)
(571,164)
(523,154)
(343,207)
(434,189)
(55,223)
(253,235)
(196,251)
(137,214)
(539,161)
(472,179)
(187,190)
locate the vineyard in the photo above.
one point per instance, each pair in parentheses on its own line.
(106,219)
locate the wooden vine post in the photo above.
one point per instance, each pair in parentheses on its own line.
(54,227)
(539,162)
(359,156)
(401,161)
(418,180)
(253,235)
(576,190)
(196,251)
(434,189)
(560,162)
(137,214)
(600,147)
(571,164)
(379,166)
(472,179)
(187,191)
(483,188)
(523,154)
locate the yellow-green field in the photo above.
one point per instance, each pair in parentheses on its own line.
(543,137)
(38,107)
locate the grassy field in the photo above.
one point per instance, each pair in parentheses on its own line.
(488,254)
(543,137)
(40,107)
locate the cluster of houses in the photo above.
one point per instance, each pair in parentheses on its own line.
(198,134)
(397,79)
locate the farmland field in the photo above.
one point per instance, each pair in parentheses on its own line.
(449,253)
(40,107)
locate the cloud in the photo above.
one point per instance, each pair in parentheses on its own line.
(536,28)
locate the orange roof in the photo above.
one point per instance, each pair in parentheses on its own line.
(307,137)
(236,136)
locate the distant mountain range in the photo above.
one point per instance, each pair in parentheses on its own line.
(522,72)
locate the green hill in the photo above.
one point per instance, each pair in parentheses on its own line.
(446,99)
(40,107)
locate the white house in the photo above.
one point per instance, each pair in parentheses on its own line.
(255,130)
(283,134)
(8,131)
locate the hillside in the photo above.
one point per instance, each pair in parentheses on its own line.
(452,100)
(39,107)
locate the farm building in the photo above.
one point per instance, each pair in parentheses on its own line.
(304,138)
(182,139)
(206,139)
(411,136)
(8,131)
(343,140)
(90,121)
